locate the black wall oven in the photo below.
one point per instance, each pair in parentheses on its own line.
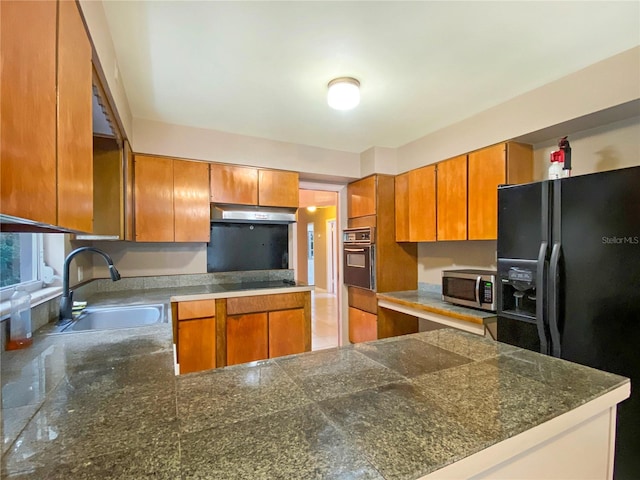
(359,257)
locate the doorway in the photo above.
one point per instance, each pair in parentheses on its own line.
(310,256)
(332,257)
(316,261)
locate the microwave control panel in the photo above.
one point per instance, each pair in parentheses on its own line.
(487,292)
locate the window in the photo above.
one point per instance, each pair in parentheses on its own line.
(20,260)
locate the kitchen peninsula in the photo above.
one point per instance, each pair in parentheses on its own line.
(443,403)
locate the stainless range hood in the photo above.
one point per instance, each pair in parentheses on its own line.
(251,214)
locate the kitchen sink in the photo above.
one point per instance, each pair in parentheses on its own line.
(111,318)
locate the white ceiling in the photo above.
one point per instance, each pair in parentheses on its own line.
(261,68)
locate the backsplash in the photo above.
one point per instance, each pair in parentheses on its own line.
(170,281)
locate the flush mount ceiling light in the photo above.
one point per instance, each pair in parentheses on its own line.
(344,93)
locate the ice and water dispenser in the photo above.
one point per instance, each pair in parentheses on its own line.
(517,289)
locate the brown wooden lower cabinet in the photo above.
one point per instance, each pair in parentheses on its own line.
(247,339)
(363,326)
(286,332)
(197,344)
(241,329)
(196,335)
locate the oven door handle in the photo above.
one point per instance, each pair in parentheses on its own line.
(478,281)
(354,249)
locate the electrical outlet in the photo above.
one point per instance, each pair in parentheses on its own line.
(80,274)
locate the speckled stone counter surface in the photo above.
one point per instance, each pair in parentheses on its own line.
(430,301)
(107,405)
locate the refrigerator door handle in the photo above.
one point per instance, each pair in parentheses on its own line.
(554,300)
(540,298)
(478,299)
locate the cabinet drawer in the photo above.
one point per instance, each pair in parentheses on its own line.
(196,309)
(265,303)
(363,300)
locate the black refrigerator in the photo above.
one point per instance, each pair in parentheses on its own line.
(569,281)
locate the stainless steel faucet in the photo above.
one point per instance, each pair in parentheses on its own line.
(66,302)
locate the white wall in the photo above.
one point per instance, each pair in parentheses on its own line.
(607,147)
(608,83)
(211,145)
(379,160)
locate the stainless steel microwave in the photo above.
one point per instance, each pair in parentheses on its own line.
(470,288)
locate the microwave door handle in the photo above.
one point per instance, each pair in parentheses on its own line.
(478,281)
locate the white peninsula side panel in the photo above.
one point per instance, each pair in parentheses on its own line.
(577,445)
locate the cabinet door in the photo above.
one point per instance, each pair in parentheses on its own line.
(286,332)
(153,199)
(452,199)
(361,197)
(129,226)
(422,204)
(197,344)
(363,326)
(75,128)
(191,201)
(402,199)
(487,170)
(247,338)
(28,110)
(519,163)
(278,189)
(231,184)
(107,187)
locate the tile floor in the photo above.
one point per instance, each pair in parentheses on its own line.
(324,320)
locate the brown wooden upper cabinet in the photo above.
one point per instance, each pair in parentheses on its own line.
(466,207)
(253,186)
(452,199)
(45,119)
(171,200)
(277,188)
(236,185)
(361,197)
(415,197)
(192,216)
(505,163)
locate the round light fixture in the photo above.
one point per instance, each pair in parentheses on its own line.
(311,209)
(344,93)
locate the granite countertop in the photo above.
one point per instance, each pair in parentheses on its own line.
(430,301)
(107,405)
(205,292)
